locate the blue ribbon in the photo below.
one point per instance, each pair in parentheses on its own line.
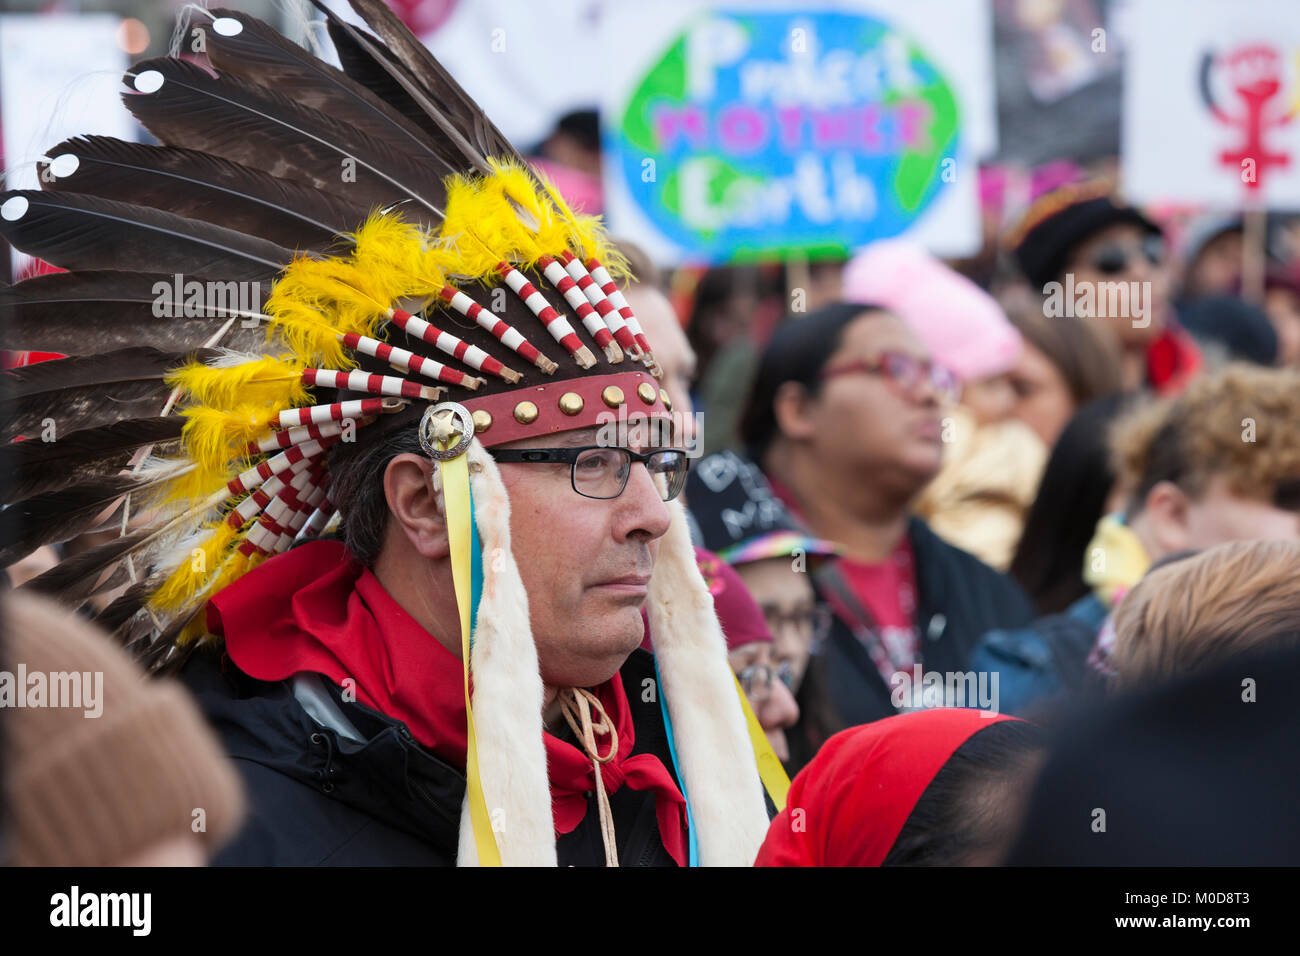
(475,570)
(694,859)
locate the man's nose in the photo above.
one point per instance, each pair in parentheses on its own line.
(643,509)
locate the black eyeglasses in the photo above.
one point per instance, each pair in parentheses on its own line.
(1113,258)
(597,471)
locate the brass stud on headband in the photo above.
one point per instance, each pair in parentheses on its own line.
(482,421)
(571,403)
(646,392)
(525,413)
(663,397)
(612,396)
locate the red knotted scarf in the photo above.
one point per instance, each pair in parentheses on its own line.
(314,609)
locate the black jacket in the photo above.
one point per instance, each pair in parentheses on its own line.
(320,800)
(959,598)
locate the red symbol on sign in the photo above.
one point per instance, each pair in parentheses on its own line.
(1254,73)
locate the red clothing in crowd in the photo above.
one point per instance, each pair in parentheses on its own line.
(314,609)
(885,590)
(848,806)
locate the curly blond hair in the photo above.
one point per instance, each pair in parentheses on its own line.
(1242,422)
(1192,613)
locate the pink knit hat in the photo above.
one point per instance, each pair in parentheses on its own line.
(961,324)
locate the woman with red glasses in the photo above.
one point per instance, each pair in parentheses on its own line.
(992,458)
(846,420)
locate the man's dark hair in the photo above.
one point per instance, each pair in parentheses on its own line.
(969,813)
(797,352)
(357,486)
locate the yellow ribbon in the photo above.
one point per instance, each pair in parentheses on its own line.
(770,770)
(455,488)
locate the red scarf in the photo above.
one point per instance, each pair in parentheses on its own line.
(314,609)
(859,790)
(1173,360)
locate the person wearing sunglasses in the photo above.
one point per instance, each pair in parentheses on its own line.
(1084,237)
(846,421)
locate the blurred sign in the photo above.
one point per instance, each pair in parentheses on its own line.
(1212,103)
(759,128)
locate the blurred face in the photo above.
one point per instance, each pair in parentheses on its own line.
(1283,308)
(1123,253)
(1171,521)
(773,704)
(991,399)
(1042,398)
(585,563)
(672,351)
(789,605)
(863,423)
(1222,515)
(1217,268)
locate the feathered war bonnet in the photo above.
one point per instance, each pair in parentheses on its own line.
(312,256)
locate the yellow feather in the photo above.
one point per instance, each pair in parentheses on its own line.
(471,227)
(435,265)
(181,586)
(336,289)
(198,483)
(195,629)
(586,234)
(268,381)
(231,569)
(388,252)
(227,406)
(527,221)
(304,330)
(213,436)
(595,243)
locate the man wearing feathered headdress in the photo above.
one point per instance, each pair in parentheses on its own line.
(393,486)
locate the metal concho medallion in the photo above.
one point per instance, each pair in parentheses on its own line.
(443,421)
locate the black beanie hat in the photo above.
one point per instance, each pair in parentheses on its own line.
(1063,218)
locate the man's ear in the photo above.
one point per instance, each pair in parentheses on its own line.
(415,508)
(1166,513)
(791,406)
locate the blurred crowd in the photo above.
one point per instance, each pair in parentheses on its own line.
(1017,507)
